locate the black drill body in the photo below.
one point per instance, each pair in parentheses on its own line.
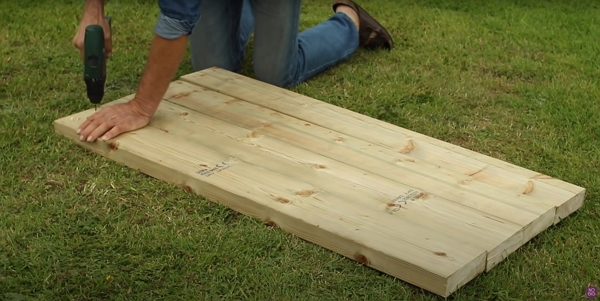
(94,71)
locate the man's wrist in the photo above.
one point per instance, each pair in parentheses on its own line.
(93,9)
(145,107)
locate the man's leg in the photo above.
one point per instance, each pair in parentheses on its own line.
(220,37)
(284,57)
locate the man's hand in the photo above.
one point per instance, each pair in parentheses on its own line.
(93,14)
(114,120)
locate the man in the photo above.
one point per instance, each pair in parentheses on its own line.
(282,57)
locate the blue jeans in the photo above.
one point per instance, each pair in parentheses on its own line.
(283,56)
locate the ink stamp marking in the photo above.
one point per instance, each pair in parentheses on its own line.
(402,200)
(209,171)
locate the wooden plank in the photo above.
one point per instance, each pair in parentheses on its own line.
(443,165)
(320,217)
(407,205)
(299,133)
(505,210)
(491,232)
(477,167)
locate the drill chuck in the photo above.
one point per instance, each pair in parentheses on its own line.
(95,89)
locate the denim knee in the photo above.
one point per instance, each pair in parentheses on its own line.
(274,77)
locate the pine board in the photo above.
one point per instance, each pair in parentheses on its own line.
(430,213)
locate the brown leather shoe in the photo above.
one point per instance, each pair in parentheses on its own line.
(372,35)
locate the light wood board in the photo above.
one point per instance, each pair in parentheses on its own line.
(430,213)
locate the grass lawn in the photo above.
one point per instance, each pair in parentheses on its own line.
(517,80)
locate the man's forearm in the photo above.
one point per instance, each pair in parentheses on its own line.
(93,8)
(163,62)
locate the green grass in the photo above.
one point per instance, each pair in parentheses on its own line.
(517,80)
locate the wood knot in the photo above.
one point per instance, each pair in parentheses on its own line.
(362,259)
(528,188)
(465,181)
(180,95)
(410,146)
(188,189)
(305,193)
(423,196)
(340,139)
(271,224)
(319,166)
(283,200)
(443,254)
(307,124)
(184,113)
(253,135)
(114,145)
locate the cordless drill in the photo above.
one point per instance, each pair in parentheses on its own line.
(94,71)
